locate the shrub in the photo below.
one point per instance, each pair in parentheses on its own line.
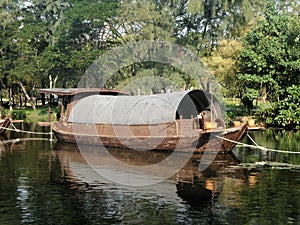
(284,113)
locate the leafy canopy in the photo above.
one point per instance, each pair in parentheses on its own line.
(270,59)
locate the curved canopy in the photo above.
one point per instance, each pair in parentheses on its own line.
(133,110)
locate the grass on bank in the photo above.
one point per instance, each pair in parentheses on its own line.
(28,114)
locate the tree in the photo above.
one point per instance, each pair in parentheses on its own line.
(52,13)
(286,112)
(145,20)
(206,22)
(270,60)
(85,34)
(8,12)
(22,42)
(270,65)
(224,64)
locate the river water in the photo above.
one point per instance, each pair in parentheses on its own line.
(43,182)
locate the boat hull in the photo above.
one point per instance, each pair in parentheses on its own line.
(173,136)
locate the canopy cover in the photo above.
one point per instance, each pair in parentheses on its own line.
(134,110)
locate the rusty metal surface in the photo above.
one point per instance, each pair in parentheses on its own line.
(134,110)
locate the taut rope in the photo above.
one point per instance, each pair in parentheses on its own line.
(24,131)
(256,146)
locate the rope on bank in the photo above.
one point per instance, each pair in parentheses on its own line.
(256,146)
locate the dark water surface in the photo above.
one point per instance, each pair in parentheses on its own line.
(42,182)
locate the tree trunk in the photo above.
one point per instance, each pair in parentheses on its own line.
(10,102)
(20,101)
(52,82)
(2,86)
(27,96)
(43,99)
(1,102)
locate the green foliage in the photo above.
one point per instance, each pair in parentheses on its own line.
(250,94)
(137,78)
(233,110)
(88,35)
(206,22)
(47,39)
(30,115)
(224,64)
(270,59)
(145,20)
(61,38)
(52,39)
(286,112)
(270,64)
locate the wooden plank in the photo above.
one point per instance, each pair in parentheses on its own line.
(17,121)
(44,124)
(256,128)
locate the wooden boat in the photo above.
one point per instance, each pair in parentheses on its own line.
(185,121)
(4,123)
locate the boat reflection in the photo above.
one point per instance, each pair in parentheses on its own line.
(193,185)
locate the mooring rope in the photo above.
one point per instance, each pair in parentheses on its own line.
(248,135)
(269,164)
(256,146)
(13,141)
(24,131)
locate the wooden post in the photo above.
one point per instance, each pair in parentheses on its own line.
(49,114)
(49,109)
(51,135)
(63,106)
